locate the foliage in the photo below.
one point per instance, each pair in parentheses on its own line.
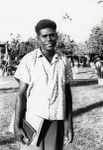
(17,49)
(95,42)
(28,46)
(79,49)
(65,44)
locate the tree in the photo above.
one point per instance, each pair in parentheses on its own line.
(65,44)
(95,42)
(79,49)
(17,48)
(28,46)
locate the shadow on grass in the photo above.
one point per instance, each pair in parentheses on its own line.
(83,110)
(7,139)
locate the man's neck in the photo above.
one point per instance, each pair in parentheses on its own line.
(48,54)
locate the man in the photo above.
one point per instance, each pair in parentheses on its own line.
(44,91)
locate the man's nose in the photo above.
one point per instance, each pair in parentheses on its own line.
(48,37)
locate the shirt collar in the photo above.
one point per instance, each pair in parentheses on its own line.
(55,57)
(39,54)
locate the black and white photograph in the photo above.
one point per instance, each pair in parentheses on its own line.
(51,75)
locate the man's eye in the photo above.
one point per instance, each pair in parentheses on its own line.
(52,35)
(44,36)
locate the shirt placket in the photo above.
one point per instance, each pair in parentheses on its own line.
(47,70)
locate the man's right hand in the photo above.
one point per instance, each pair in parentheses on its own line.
(21,136)
(20,108)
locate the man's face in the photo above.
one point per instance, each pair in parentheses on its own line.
(47,39)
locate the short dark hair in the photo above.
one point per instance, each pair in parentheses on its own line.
(45,23)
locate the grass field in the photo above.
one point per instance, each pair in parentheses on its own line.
(87,118)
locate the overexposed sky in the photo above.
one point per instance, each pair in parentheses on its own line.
(21,16)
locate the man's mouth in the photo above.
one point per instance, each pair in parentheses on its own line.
(49,44)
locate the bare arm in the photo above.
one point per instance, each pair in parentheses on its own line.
(20,109)
(69,117)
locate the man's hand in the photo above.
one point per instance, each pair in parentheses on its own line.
(68,138)
(21,136)
(20,109)
(69,134)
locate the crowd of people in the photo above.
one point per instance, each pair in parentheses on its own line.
(96,65)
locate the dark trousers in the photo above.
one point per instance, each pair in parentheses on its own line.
(51,138)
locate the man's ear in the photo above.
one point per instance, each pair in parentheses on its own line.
(56,35)
(38,37)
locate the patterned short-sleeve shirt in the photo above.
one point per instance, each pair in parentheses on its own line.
(46,90)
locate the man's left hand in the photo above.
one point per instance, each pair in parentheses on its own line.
(69,134)
(68,137)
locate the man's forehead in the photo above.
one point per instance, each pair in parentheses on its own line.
(47,31)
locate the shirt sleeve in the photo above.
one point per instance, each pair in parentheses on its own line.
(22,73)
(68,71)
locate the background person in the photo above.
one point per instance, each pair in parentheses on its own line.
(98,66)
